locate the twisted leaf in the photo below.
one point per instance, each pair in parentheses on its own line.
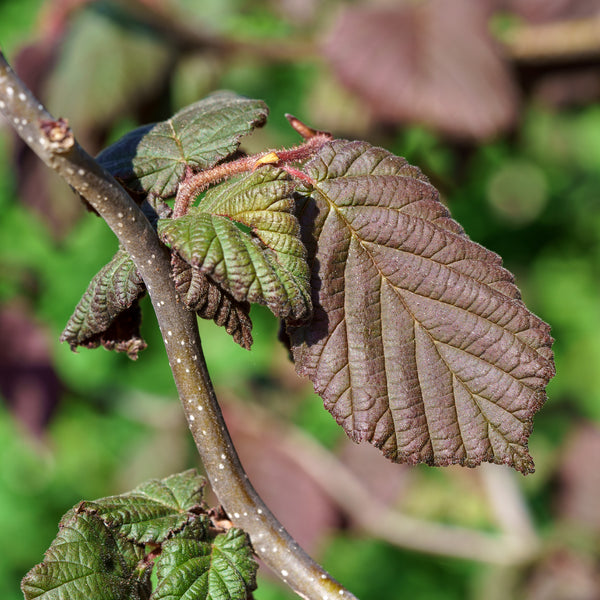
(154,510)
(221,570)
(154,158)
(267,265)
(204,296)
(108,313)
(418,342)
(87,561)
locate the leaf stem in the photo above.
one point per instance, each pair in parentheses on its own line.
(54,143)
(196,183)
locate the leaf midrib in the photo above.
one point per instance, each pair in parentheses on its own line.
(338,212)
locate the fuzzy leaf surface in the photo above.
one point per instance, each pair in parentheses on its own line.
(419,342)
(267,265)
(209,301)
(154,510)
(108,313)
(153,158)
(87,561)
(223,569)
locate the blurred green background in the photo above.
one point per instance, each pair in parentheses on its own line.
(523,181)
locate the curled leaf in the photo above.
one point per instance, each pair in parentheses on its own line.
(209,301)
(267,264)
(419,342)
(154,158)
(108,313)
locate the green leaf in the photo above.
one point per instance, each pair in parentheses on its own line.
(209,301)
(87,561)
(108,313)
(154,158)
(192,569)
(419,342)
(267,265)
(155,510)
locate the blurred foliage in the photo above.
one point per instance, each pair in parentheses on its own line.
(532,194)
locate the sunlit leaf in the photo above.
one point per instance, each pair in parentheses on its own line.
(432,62)
(419,342)
(154,158)
(266,265)
(205,297)
(222,570)
(154,510)
(108,313)
(86,560)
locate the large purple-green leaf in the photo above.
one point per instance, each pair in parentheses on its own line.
(419,342)
(108,313)
(267,264)
(154,158)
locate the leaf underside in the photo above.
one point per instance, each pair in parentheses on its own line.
(154,158)
(108,313)
(267,265)
(419,342)
(209,301)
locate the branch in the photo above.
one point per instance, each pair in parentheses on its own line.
(54,143)
(192,36)
(516,544)
(555,42)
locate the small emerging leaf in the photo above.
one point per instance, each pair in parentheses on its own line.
(267,265)
(154,510)
(87,561)
(222,570)
(419,342)
(108,313)
(205,297)
(154,158)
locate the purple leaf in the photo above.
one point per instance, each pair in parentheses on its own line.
(431,62)
(419,342)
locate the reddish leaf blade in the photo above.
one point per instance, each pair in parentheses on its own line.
(201,294)
(419,342)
